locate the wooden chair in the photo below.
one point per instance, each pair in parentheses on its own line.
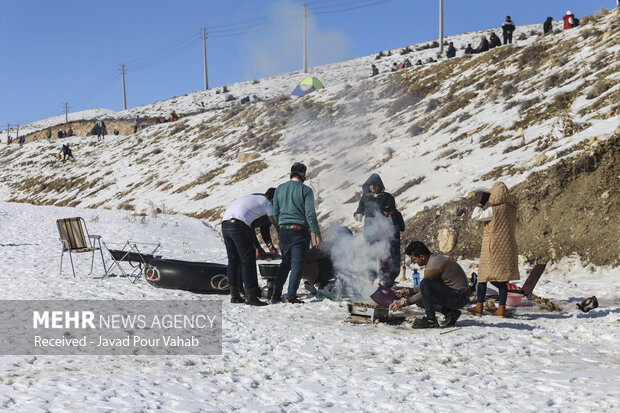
(75,238)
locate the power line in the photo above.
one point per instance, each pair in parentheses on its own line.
(339,10)
(149,56)
(178,49)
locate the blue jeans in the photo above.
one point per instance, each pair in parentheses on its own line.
(435,293)
(501,286)
(239,244)
(294,245)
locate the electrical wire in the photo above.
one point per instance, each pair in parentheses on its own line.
(178,49)
(339,10)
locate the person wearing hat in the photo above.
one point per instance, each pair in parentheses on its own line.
(382,227)
(239,240)
(508,28)
(294,217)
(548,25)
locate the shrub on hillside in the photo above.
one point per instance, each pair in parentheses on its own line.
(522,36)
(431,104)
(230,98)
(598,89)
(401,104)
(415,130)
(405,50)
(590,32)
(532,55)
(379,56)
(509,90)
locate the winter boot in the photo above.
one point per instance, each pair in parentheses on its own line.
(425,323)
(501,311)
(477,310)
(251,295)
(235,297)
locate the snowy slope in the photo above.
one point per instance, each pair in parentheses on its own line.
(453,127)
(283,84)
(304,358)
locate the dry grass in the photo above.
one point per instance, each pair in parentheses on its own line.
(247,171)
(532,55)
(407,185)
(202,179)
(598,89)
(213,214)
(499,171)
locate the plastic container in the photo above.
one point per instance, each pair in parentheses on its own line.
(514,299)
(416,278)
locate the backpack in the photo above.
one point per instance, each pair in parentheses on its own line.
(575,22)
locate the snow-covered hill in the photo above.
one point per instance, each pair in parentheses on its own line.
(305,358)
(434,133)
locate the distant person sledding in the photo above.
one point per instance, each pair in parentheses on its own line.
(309,84)
(99,129)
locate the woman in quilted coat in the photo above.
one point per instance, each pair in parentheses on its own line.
(498,255)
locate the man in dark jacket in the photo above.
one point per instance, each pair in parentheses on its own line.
(375,71)
(494,41)
(483,46)
(469,49)
(66,152)
(294,217)
(508,28)
(548,25)
(451,51)
(382,223)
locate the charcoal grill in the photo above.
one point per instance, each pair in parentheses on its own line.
(372,311)
(268,272)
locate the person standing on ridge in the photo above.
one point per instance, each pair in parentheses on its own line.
(508,28)
(548,25)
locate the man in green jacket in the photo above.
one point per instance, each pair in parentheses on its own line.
(294,216)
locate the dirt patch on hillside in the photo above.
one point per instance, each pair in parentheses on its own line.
(573,207)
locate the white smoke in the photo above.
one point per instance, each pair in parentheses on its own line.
(280,49)
(355,260)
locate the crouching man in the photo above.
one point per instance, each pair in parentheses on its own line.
(445,287)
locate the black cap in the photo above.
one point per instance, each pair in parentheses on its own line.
(270,192)
(298,167)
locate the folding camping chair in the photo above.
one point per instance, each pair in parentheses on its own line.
(75,238)
(131,254)
(530,283)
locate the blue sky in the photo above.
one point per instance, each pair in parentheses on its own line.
(57,51)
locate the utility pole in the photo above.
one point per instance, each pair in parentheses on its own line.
(66,113)
(124,94)
(440,27)
(305,46)
(17,133)
(204,52)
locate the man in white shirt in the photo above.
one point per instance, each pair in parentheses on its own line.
(239,241)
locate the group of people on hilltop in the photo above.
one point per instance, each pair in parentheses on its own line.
(508,29)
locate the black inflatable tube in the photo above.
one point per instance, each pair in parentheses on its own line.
(204,277)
